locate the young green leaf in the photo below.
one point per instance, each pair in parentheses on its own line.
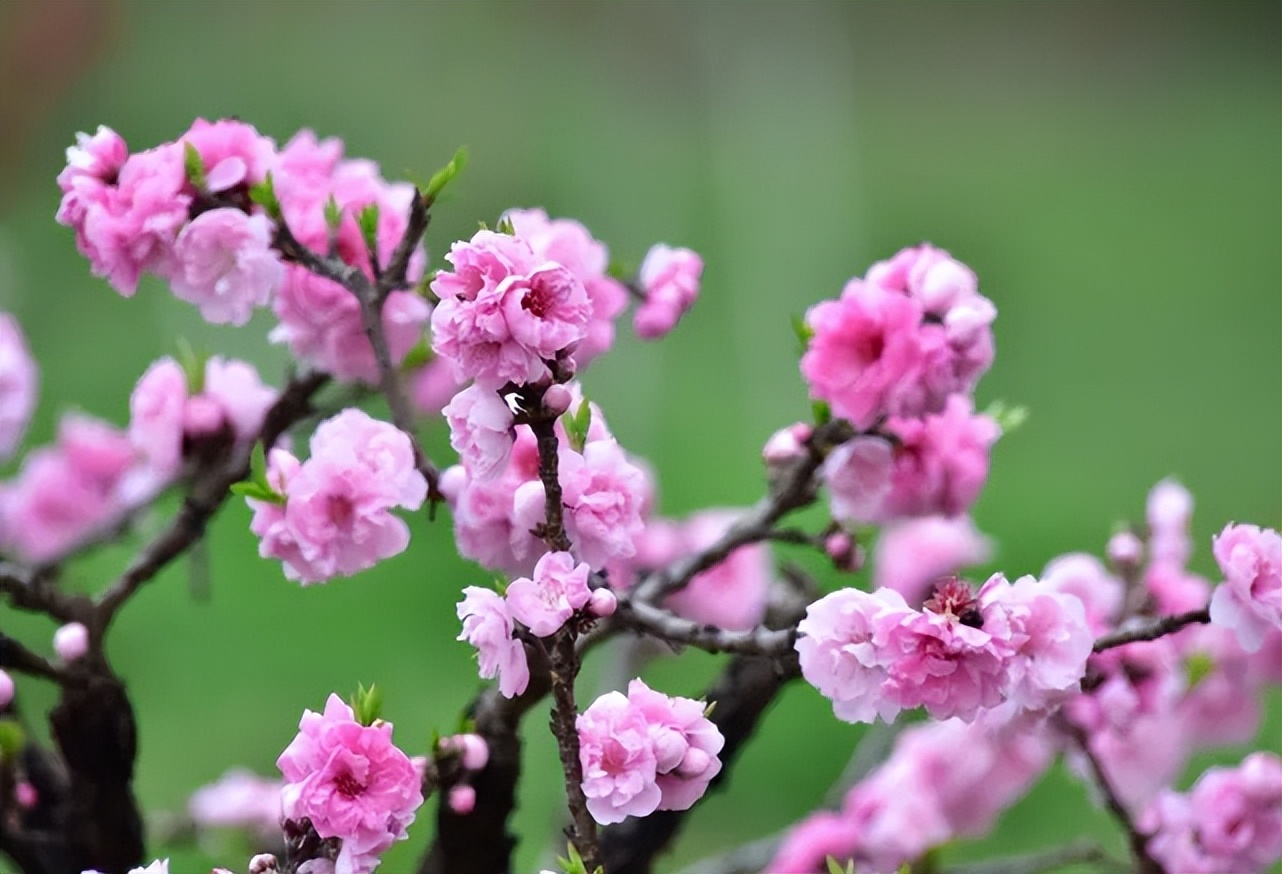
(264,194)
(444,176)
(194,166)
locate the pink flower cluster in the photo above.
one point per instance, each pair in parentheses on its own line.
(1249,601)
(147,213)
(334,516)
(942,781)
(911,555)
(934,465)
(18,383)
(1154,703)
(497,497)
(644,752)
(901,340)
(558,590)
(168,420)
(873,655)
(320,320)
(351,782)
(238,799)
(1231,820)
(670,280)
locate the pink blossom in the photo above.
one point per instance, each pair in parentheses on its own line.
(1221,702)
(546,311)
(843,651)
(233,153)
(604,495)
(238,799)
(18,382)
(6,688)
(808,844)
(71,641)
(619,760)
(238,392)
(569,244)
(670,279)
(545,603)
(156,416)
(472,749)
(480,431)
(863,352)
(686,744)
(937,661)
(481,264)
(226,265)
(432,386)
(1250,599)
(911,555)
(1169,510)
(787,444)
(732,593)
(351,782)
(1047,634)
(858,476)
(97,158)
(26,795)
(487,625)
(483,520)
(462,799)
(1084,577)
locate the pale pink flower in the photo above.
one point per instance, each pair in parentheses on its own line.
(238,799)
(226,265)
(351,782)
(233,153)
(619,761)
(480,431)
(6,688)
(935,660)
(71,641)
(1223,705)
(482,510)
(732,593)
(787,444)
(808,844)
(432,386)
(858,476)
(1169,511)
(18,383)
(686,744)
(156,416)
(487,625)
(910,556)
(843,651)
(605,495)
(546,310)
(670,279)
(481,264)
(1085,577)
(559,588)
(1250,599)
(864,351)
(238,391)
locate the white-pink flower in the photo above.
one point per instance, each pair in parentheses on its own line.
(238,799)
(1250,599)
(352,782)
(487,625)
(18,382)
(686,744)
(619,760)
(226,266)
(558,589)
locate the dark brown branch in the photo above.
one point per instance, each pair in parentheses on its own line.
(34,592)
(14,656)
(565,669)
(1152,630)
(657,622)
(394,274)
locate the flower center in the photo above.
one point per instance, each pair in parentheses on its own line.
(349,786)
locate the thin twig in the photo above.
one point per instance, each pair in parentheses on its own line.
(1077,853)
(657,622)
(565,669)
(14,656)
(1152,630)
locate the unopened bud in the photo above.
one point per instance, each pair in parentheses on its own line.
(476,752)
(462,799)
(1125,550)
(263,863)
(694,762)
(787,444)
(25,794)
(202,415)
(557,399)
(844,552)
(602,602)
(71,641)
(6,689)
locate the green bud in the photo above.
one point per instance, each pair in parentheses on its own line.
(444,176)
(505,226)
(194,166)
(803,331)
(264,194)
(821,411)
(333,214)
(577,424)
(193,365)
(1008,418)
(367,219)
(835,867)
(572,863)
(367,704)
(12,739)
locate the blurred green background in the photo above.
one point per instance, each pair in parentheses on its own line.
(1111,171)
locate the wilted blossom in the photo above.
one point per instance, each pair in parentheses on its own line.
(336,519)
(18,383)
(645,752)
(487,625)
(1250,599)
(1231,820)
(559,588)
(238,799)
(351,782)
(670,279)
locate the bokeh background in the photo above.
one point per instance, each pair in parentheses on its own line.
(1111,171)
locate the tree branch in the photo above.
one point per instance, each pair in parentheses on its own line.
(14,656)
(1153,629)
(657,622)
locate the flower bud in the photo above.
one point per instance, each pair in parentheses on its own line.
(1125,550)
(25,794)
(201,415)
(263,863)
(846,555)
(602,602)
(786,444)
(71,641)
(475,751)
(462,799)
(6,689)
(694,762)
(557,399)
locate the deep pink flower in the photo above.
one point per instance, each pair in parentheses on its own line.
(809,844)
(480,431)
(1250,599)
(481,264)
(619,760)
(226,265)
(864,353)
(670,279)
(686,744)
(351,782)
(936,661)
(18,384)
(487,625)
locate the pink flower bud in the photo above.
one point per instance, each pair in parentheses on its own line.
(1125,549)
(694,762)
(201,415)
(557,399)
(846,555)
(263,863)
(602,602)
(476,752)
(462,799)
(6,689)
(25,794)
(786,444)
(71,641)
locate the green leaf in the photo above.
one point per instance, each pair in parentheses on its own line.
(12,739)
(821,411)
(619,270)
(835,867)
(258,465)
(367,219)
(505,226)
(367,704)
(194,166)
(444,176)
(1008,418)
(420,354)
(572,863)
(193,365)
(1197,665)
(577,424)
(257,492)
(333,214)
(264,194)
(803,331)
